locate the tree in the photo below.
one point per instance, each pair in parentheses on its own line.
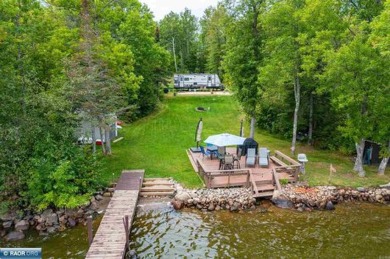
(353,71)
(178,34)
(37,121)
(243,53)
(213,36)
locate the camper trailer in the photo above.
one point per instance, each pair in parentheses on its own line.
(197,81)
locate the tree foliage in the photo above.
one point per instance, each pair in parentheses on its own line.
(56,65)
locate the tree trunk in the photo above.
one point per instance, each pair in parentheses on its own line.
(253,124)
(93,138)
(297,95)
(310,134)
(383,164)
(101,139)
(359,158)
(108,139)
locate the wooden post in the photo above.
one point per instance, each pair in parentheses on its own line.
(140,183)
(126,226)
(90,230)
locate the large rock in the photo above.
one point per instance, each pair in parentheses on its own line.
(94,205)
(11,216)
(14,236)
(283,202)
(211,207)
(46,213)
(7,224)
(329,206)
(182,196)
(71,222)
(50,219)
(177,205)
(22,225)
(98,197)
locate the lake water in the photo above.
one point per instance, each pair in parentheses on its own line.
(351,231)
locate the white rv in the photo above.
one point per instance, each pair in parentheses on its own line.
(194,81)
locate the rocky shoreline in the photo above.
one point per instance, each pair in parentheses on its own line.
(293,196)
(300,197)
(324,197)
(233,199)
(14,224)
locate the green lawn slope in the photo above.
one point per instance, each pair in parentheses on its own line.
(158,144)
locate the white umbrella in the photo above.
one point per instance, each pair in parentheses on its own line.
(225,139)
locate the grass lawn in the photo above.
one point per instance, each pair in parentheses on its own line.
(158,142)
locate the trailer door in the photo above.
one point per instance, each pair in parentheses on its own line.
(209,80)
(181,81)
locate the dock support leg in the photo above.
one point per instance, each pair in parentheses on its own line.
(126,226)
(90,230)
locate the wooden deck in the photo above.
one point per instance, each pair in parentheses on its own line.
(110,238)
(263,181)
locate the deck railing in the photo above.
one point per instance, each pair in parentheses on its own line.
(209,175)
(275,179)
(286,163)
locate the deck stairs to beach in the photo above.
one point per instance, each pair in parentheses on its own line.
(263,188)
(157,187)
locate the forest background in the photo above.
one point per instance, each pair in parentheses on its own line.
(314,70)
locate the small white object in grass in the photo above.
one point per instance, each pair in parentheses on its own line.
(118,139)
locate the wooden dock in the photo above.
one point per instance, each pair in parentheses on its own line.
(110,238)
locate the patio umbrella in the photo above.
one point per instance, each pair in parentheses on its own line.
(198,132)
(225,139)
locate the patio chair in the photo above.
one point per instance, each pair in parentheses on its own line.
(263,157)
(228,164)
(251,157)
(205,152)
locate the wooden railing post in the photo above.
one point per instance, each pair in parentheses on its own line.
(247,178)
(126,226)
(90,230)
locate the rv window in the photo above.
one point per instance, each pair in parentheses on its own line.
(186,79)
(210,78)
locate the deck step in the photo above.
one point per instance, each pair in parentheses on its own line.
(265,187)
(145,194)
(157,188)
(264,182)
(278,161)
(263,194)
(151,183)
(156,179)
